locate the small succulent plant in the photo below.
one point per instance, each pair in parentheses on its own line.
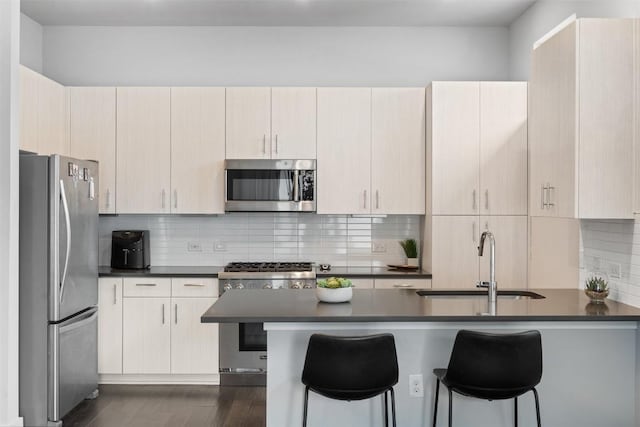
(596,284)
(334,283)
(410,247)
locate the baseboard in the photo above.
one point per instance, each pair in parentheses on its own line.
(187,379)
(19,422)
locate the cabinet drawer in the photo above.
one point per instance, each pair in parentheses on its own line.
(362,283)
(400,283)
(147,287)
(194,287)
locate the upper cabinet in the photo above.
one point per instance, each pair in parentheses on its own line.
(636,43)
(44,114)
(93,136)
(477,136)
(143,150)
(197,150)
(344,151)
(398,151)
(582,121)
(266,123)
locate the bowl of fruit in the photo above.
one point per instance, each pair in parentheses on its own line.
(334,289)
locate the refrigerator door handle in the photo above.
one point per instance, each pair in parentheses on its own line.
(67,222)
(87,317)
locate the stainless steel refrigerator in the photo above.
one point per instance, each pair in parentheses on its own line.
(58,286)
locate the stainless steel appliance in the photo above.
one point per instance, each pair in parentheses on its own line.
(270,185)
(243,346)
(58,286)
(130,249)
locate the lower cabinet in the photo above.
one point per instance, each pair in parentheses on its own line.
(362,283)
(401,283)
(150,330)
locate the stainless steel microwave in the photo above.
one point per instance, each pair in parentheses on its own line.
(261,185)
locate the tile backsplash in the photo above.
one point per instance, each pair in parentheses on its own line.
(345,240)
(613,247)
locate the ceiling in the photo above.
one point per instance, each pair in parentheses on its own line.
(276,12)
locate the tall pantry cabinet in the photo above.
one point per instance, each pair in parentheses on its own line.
(476,181)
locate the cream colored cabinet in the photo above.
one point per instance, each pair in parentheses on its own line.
(265,123)
(554,253)
(636,137)
(110,325)
(194,345)
(402,283)
(359,283)
(581,121)
(197,150)
(398,151)
(44,114)
(146,336)
(344,151)
(477,148)
(93,136)
(511,237)
(143,150)
(454,261)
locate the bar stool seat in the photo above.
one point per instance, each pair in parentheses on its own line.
(351,368)
(492,367)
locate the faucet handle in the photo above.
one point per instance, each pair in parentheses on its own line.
(481,284)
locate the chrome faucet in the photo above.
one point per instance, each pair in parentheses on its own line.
(491,285)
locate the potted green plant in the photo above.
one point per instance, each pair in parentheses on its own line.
(597,288)
(410,247)
(334,289)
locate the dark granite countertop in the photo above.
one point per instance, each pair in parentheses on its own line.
(372,273)
(168,271)
(404,305)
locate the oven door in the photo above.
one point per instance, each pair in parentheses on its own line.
(243,354)
(270,185)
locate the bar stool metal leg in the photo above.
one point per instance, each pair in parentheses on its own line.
(515,411)
(450,408)
(386,410)
(393,407)
(435,405)
(535,394)
(306,404)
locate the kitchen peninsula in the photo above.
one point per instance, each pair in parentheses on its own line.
(590,353)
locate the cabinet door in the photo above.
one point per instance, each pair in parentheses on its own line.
(29,135)
(53,117)
(510,233)
(552,125)
(197,150)
(455,147)
(398,151)
(503,148)
(362,283)
(636,115)
(143,150)
(110,325)
(93,136)
(146,336)
(401,283)
(194,345)
(248,119)
(554,258)
(293,123)
(455,261)
(344,151)
(606,114)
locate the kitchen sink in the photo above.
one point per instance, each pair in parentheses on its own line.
(465,294)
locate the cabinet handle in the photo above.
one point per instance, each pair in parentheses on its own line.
(164,196)
(549,203)
(364,200)
(486,199)
(264,144)
(175,198)
(473,203)
(473,231)
(276,143)
(115,298)
(163,314)
(194,284)
(176,317)
(145,284)
(543,192)
(402,285)
(108,201)
(377,199)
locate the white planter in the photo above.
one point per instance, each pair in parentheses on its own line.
(412,262)
(334,295)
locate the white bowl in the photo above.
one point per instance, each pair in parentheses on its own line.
(334,295)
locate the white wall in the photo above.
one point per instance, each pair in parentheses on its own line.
(9,60)
(544,15)
(30,43)
(273,56)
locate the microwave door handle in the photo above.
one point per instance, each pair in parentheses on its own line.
(296,185)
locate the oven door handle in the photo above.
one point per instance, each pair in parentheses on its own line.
(296,185)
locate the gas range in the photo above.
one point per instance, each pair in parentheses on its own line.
(267,275)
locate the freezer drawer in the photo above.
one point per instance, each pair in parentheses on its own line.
(73,375)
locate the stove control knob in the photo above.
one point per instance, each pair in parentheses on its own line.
(296,285)
(227,287)
(307,286)
(239,286)
(267,286)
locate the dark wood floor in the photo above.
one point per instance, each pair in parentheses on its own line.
(171,406)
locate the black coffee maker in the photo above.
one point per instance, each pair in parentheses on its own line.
(130,249)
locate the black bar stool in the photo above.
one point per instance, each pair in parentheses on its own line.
(351,368)
(492,367)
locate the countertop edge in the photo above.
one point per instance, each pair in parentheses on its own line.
(418,319)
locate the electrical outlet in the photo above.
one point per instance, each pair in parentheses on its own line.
(194,247)
(219,246)
(615,270)
(416,387)
(378,247)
